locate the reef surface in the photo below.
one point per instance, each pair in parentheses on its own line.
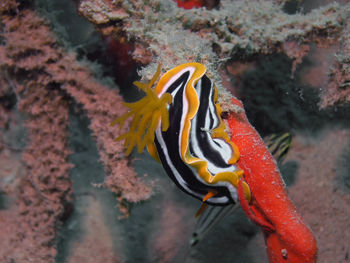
(68,193)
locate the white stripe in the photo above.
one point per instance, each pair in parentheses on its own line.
(224,149)
(213,168)
(182,182)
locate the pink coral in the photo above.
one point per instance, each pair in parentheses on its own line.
(45,80)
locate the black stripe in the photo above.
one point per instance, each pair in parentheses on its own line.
(171,138)
(204,137)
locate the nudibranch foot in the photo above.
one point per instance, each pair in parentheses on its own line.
(210,194)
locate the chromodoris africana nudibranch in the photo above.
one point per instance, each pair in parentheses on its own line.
(180,123)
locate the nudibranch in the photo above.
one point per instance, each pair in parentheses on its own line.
(180,123)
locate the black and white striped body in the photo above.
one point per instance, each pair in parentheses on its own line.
(214,153)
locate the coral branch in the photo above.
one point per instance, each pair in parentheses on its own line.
(45,81)
(213,36)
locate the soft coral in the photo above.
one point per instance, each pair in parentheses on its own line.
(287,237)
(190,4)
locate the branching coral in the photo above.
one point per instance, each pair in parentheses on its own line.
(45,80)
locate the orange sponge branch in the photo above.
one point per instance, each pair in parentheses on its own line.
(287,237)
